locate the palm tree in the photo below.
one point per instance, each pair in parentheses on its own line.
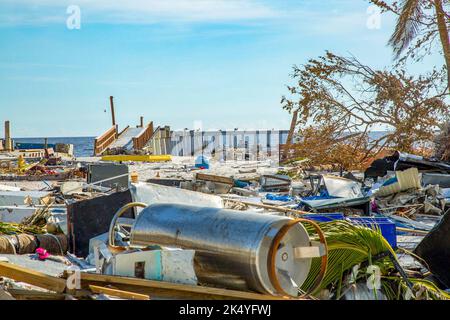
(409,23)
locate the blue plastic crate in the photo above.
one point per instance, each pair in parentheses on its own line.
(324,217)
(387,227)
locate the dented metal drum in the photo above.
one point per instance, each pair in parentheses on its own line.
(232,247)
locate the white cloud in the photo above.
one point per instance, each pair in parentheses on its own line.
(140,11)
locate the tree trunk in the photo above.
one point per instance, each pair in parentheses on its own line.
(287,146)
(443,33)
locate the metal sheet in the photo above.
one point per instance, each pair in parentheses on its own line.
(13,198)
(89,218)
(342,187)
(102,171)
(15,214)
(443,180)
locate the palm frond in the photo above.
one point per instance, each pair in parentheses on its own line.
(7,228)
(396,289)
(407,27)
(348,245)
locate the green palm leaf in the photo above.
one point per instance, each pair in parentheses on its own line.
(350,245)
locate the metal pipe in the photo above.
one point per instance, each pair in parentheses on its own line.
(233,248)
(117,215)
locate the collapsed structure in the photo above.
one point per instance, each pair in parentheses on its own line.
(142,223)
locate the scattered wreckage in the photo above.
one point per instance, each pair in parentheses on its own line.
(187,229)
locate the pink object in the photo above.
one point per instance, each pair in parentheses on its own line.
(374,206)
(42,253)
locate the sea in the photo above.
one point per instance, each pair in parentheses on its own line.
(82,146)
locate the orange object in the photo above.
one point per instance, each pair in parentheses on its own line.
(134,177)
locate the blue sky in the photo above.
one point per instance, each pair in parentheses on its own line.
(223,62)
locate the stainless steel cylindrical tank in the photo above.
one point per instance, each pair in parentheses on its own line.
(233,248)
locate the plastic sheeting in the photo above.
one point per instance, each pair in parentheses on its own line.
(404,180)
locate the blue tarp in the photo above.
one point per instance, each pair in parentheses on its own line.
(24,145)
(202,162)
(275,197)
(322,196)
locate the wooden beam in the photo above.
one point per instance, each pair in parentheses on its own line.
(266,206)
(32,277)
(8,143)
(291,134)
(113,114)
(170,290)
(26,294)
(214,178)
(5,295)
(119,293)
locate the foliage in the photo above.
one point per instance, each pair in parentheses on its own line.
(421,25)
(340,100)
(35,224)
(325,147)
(348,245)
(14,228)
(442,143)
(352,245)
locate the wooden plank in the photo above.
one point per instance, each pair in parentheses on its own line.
(171,290)
(214,178)
(26,294)
(119,293)
(5,295)
(32,277)
(140,141)
(138,158)
(268,207)
(102,142)
(408,230)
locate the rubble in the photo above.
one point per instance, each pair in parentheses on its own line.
(66,227)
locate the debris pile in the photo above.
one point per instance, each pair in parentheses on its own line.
(189,227)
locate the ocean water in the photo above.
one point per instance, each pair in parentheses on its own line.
(83,146)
